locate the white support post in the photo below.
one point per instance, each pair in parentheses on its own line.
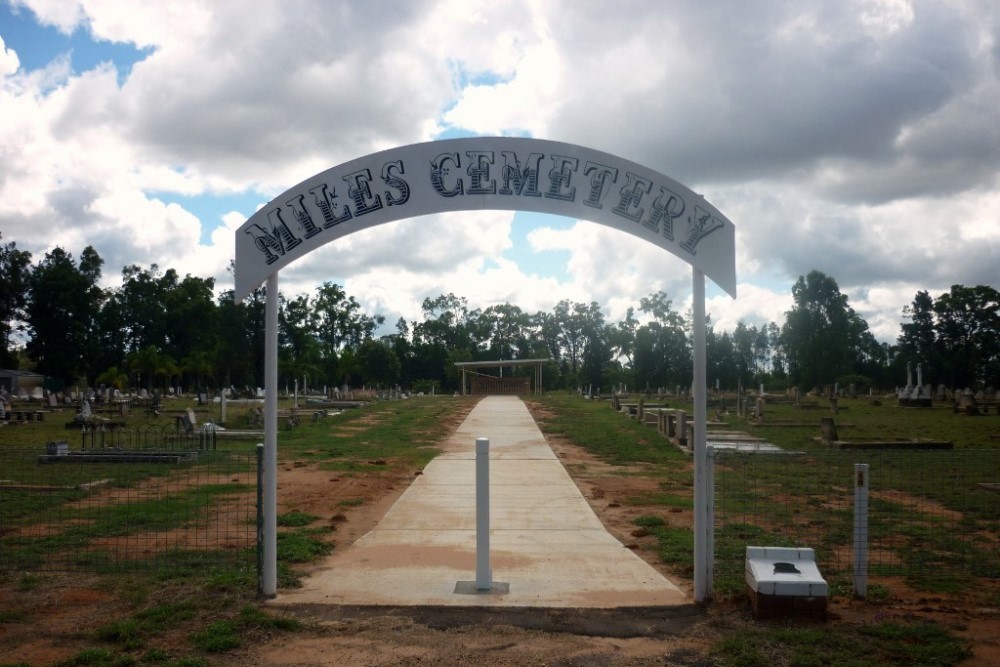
(484,574)
(269,587)
(861,530)
(710,515)
(703,556)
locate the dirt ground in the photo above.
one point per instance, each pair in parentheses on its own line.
(348,636)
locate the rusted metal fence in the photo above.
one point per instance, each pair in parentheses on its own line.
(932,515)
(127,508)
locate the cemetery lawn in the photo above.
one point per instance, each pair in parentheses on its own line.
(339,475)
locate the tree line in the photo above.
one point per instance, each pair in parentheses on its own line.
(157,329)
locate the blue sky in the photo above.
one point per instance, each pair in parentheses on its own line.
(857,138)
(37,45)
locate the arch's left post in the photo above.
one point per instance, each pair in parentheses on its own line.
(269,587)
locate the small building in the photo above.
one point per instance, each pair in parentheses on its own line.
(20,382)
(489,384)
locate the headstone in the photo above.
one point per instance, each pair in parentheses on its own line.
(829,429)
(968,402)
(53,401)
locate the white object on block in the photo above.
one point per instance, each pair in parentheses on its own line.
(784,571)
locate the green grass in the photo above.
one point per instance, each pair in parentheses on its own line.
(403,433)
(73,528)
(296,519)
(649,521)
(605,433)
(938,537)
(225,635)
(302,546)
(775,504)
(916,645)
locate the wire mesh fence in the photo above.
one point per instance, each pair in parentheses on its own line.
(124,509)
(932,514)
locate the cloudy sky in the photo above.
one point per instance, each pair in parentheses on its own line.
(859,137)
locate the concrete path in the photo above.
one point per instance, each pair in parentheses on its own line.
(548,548)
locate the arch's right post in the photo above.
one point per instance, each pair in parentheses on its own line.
(703,522)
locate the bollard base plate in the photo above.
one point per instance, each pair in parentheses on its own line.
(469,588)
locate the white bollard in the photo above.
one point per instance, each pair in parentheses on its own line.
(484,575)
(860,530)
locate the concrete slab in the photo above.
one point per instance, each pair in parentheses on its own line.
(548,548)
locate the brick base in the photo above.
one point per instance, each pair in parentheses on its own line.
(779,606)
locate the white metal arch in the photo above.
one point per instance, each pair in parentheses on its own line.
(487,173)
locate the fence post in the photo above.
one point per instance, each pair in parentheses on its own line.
(860,530)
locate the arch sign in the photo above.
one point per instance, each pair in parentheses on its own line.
(487,173)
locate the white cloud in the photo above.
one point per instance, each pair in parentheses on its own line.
(857,138)
(9,61)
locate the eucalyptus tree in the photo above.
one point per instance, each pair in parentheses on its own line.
(917,341)
(339,320)
(720,360)
(134,316)
(15,268)
(448,333)
(402,346)
(823,338)
(61,313)
(447,322)
(505,331)
(777,350)
(571,324)
(662,349)
(190,312)
(239,352)
(584,342)
(621,338)
(299,350)
(967,324)
(377,364)
(743,338)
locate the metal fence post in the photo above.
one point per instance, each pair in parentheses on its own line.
(484,574)
(860,530)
